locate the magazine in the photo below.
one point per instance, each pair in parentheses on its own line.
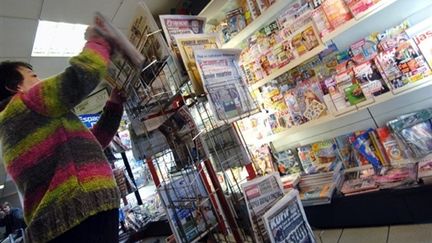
(187,44)
(286,221)
(181,24)
(228,94)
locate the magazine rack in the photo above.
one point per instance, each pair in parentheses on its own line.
(182,155)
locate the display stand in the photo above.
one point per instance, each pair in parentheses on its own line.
(182,160)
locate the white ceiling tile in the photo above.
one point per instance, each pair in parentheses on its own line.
(21,8)
(17,36)
(125,13)
(78,11)
(48,66)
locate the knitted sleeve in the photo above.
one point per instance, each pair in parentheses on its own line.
(59,94)
(105,129)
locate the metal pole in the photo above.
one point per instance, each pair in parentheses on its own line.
(222,226)
(222,200)
(129,171)
(153,172)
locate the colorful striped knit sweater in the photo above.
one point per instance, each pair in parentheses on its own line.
(58,164)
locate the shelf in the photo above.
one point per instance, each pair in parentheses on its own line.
(369,103)
(257,23)
(215,10)
(341,29)
(357,19)
(278,72)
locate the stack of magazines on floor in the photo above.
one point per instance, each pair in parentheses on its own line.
(322,165)
(316,189)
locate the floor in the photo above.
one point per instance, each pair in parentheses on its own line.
(419,233)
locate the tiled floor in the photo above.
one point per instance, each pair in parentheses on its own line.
(419,233)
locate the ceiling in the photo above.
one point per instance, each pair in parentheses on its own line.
(19,20)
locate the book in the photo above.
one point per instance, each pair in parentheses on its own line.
(359,185)
(305,41)
(391,147)
(359,6)
(386,64)
(425,167)
(336,11)
(352,90)
(321,22)
(379,148)
(336,94)
(287,162)
(307,158)
(424,42)
(410,62)
(370,79)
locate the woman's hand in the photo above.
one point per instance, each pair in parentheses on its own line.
(117,96)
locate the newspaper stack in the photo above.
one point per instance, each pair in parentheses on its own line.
(317,189)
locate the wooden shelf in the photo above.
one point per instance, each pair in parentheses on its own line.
(265,17)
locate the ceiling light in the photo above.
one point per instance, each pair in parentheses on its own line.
(56,39)
(1,187)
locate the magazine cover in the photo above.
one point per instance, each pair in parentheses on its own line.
(189,222)
(286,221)
(187,44)
(228,94)
(181,24)
(261,194)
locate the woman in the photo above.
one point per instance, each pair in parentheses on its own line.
(69,193)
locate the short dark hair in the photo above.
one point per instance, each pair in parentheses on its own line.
(10,77)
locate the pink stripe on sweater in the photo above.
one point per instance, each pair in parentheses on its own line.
(81,172)
(99,46)
(96,169)
(44,150)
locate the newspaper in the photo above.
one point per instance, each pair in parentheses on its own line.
(228,94)
(286,221)
(173,25)
(260,194)
(187,44)
(188,217)
(113,34)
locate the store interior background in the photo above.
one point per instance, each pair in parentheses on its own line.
(19,20)
(18,25)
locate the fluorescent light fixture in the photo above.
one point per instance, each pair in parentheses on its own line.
(1,187)
(56,39)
